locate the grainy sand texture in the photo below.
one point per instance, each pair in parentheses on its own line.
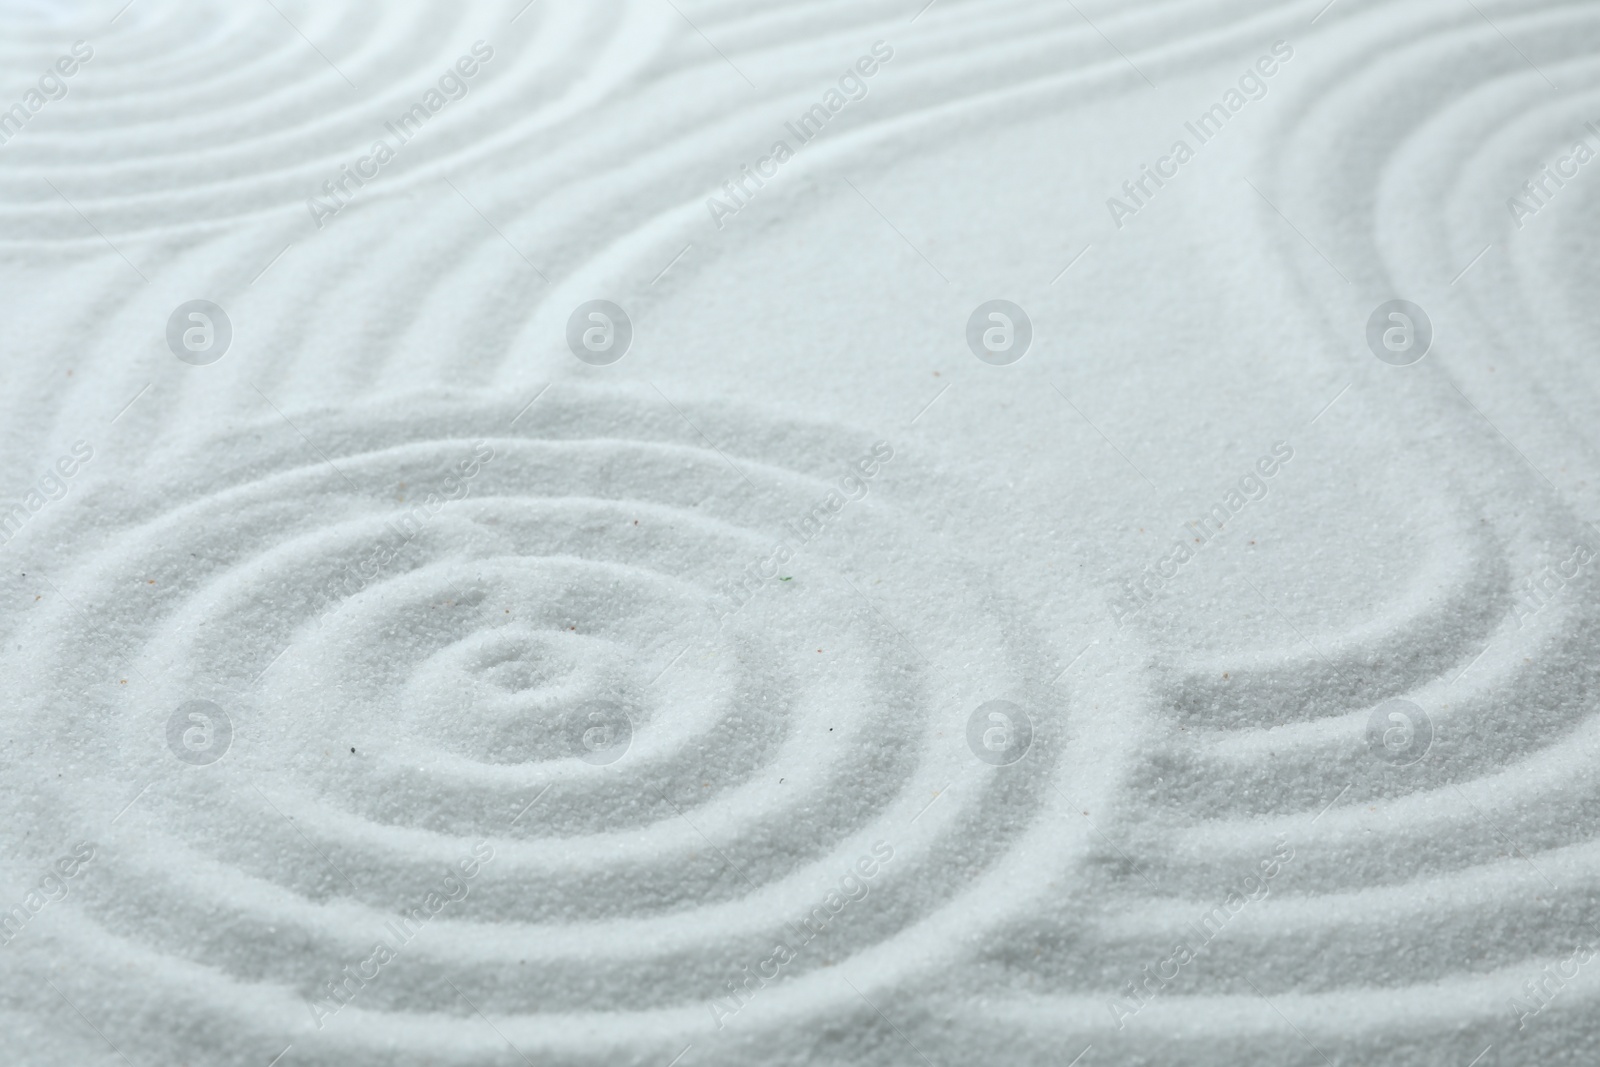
(889,533)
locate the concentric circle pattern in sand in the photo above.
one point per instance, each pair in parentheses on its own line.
(634,720)
(452,676)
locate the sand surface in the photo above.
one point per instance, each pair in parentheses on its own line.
(598,580)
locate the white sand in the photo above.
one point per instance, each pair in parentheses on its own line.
(542,701)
